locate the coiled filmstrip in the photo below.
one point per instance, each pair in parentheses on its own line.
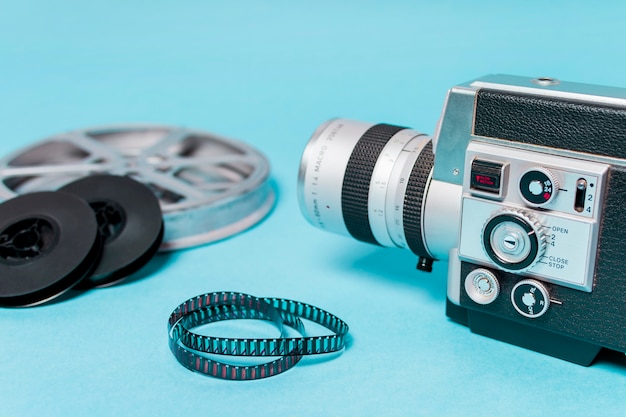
(192,349)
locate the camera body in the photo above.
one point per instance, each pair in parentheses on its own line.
(525,198)
(542,170)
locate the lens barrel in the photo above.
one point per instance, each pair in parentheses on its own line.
(368,181)
(358,177)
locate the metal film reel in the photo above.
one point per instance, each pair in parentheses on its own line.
(209,187)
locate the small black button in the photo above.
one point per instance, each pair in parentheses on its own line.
(486,176)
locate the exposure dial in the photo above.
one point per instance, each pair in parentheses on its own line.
(514,239)
(538,186)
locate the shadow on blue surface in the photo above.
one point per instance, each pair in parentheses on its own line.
(158,262)
(397,267)
(611,359)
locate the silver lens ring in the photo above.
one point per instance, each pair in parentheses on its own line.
(385,179)
(400,175)
(362,180)
(322,171)
(209,187)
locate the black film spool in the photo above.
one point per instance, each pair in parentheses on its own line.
(49,242)
(130,221)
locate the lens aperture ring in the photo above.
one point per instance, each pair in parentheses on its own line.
(358,175)
(414,199)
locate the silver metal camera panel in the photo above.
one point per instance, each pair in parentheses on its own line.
(455,132)
(566,239)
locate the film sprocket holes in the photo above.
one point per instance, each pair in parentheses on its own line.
(205,354)
(524,196)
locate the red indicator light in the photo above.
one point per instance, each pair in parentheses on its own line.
(486,176)
(485,180)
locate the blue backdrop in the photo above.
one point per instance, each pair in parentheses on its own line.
(268,73)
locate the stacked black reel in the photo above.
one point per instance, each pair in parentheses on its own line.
(158,188)
(129,221)
(93,232)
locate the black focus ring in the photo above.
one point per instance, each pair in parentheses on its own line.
(356,182)
(413,200)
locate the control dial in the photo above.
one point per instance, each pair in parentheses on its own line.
(530,298)
(513,239)
(482,286)
(538,186)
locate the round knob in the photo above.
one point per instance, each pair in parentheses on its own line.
(513,239)
(482,286)
(530,298)
(538,186)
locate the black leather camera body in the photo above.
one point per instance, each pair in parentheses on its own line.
(561,152)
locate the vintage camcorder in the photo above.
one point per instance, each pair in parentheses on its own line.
(522,189)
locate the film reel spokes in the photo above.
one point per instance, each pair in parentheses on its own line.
(209,187)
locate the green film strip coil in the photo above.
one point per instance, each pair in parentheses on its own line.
(197,352)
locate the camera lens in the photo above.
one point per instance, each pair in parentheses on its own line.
(367,181)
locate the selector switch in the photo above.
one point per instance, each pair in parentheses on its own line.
(482,286)
(530,298)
